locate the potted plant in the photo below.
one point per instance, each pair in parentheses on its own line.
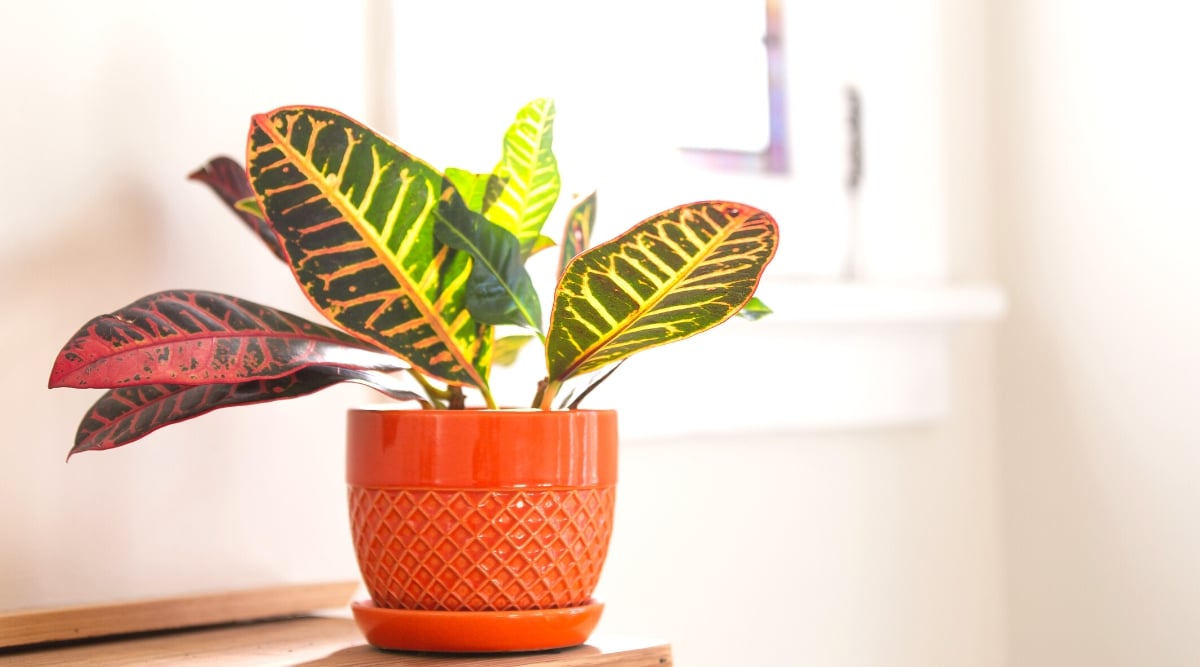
(477,528)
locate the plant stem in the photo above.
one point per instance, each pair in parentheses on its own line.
(547,391)
(436,396)
(487,397)
(458,400)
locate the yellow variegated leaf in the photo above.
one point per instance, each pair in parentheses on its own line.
(528,173)
(356,215)
(673,275)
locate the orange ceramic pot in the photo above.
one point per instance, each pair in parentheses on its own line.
(457,512)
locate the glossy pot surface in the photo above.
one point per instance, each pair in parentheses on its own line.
(481,510)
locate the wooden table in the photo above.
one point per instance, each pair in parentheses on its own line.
(258,627)
(315,640)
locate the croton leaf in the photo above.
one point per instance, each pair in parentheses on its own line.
(577,233)
(500,290)
(356,215)
(475,188)
(126,414)
(228,179)
(508,348)
(754,310)
(195,337)
(671,276)
(529,173)
(542,242)
(250,205)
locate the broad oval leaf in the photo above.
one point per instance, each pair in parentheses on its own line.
(577,233)
(196,337)
(227,178)
(500,290)
(671,276)
(528,171)
(126,414)
(356,215)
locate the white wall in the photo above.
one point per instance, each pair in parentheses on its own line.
(1099,366)
(107,109)
(876,547)
(861,547)
(880,546)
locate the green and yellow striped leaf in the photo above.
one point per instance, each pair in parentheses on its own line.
(529,173)
(671,276)
(356,215)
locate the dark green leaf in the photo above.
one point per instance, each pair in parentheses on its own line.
(499,290)
(671,276)
(356,217)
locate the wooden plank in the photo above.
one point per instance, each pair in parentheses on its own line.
(599,652)
(71,623)
(316,641)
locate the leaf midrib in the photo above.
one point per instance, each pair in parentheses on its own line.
(658,296)
(478,255)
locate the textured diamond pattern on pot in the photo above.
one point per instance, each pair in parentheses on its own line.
(467,550)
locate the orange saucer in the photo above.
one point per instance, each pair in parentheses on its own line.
(476,631)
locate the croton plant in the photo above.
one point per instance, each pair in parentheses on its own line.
(417,268)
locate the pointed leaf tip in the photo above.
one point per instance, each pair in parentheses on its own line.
(228,179)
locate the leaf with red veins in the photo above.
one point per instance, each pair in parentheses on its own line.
(194,337)
(126,414)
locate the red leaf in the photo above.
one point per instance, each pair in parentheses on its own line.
(194,337)
(126,414)
(229,180)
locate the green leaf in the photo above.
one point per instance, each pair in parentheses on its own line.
(543,242)
(577,233)
(671,276)
(249,205)
(754,310)
(507,348)
(356,215)
(474,188)
(500,290)
(529,173)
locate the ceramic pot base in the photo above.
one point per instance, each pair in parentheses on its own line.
(476,631)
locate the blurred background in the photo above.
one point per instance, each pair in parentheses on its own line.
(966,437)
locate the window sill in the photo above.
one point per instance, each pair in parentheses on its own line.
(832,356)
(805,302)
